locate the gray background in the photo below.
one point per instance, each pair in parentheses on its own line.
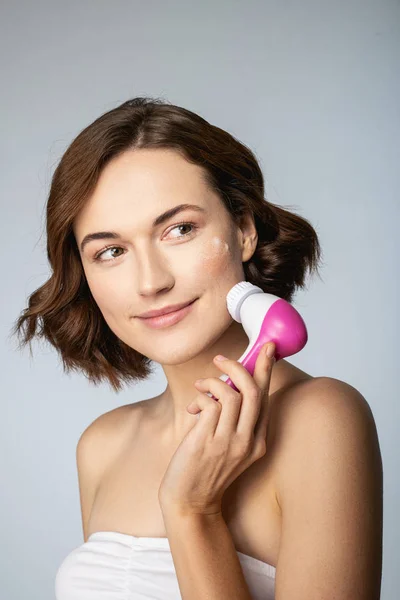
(313,88)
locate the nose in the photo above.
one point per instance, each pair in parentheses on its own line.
(153,273)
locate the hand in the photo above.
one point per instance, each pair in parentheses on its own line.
(228,437)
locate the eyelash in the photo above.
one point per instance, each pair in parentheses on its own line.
(97,257)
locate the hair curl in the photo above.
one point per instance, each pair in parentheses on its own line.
(63,310)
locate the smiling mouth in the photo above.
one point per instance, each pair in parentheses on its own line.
(168,319)
(160,312)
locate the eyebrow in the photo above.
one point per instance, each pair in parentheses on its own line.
(168,214)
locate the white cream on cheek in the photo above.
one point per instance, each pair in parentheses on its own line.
(211,255)
(214,250)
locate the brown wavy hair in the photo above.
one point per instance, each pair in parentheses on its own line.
(63,311)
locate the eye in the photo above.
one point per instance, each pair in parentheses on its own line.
(97,257)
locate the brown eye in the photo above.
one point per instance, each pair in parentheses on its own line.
(100,254)
(183,225)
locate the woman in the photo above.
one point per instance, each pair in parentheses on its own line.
(276,490)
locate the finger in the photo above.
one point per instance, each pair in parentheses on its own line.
(261,377)
(263,367)
(207,409)
(260,430)
(229,399)
(251,395)
(264,375)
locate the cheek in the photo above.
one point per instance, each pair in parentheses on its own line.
(215,257)
(102,296)
(109,293)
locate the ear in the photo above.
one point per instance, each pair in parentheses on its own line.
(248,237)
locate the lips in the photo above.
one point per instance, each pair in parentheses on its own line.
(166,311)
(168,319)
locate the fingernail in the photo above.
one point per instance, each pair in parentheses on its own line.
(199,380)
(270,350)
(220,357)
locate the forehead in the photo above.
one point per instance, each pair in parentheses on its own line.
(149,171)
(144,183)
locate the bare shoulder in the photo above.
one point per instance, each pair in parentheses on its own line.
(319,395)
(309,415)
(102,436)
(324,392)
(97,447)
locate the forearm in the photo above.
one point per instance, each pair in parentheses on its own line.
(205,559)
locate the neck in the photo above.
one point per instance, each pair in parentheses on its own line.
(171,414)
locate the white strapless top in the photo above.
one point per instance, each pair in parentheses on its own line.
(118,566)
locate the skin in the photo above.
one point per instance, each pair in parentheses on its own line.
(313,507)
(149,264)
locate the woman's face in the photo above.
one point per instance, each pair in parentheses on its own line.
(149,267)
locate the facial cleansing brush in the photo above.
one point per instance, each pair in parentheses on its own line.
(265,318)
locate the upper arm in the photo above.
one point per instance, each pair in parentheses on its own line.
(94,452)
(330,491)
